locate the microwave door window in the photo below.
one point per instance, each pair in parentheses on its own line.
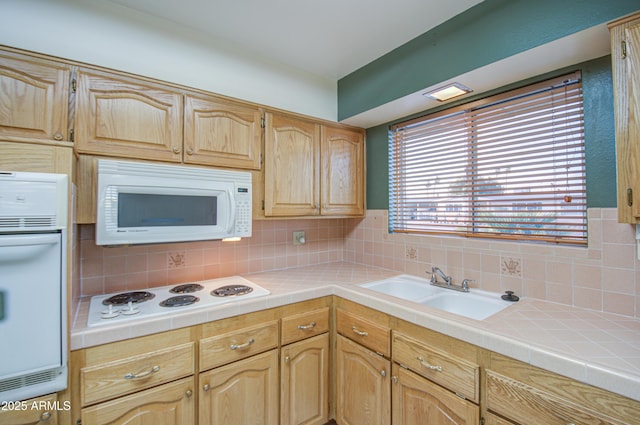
(149,210)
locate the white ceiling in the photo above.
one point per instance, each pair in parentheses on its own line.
(328,38)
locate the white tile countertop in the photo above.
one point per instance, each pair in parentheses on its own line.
(599,349)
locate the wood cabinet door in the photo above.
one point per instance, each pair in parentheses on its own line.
(418,401)
(292,160)
(39,410)
(34,98)
(127,118)
(221,133)
(342,177)
(625,55)
(241,393)
(168,404)
(304,381)
(362,385)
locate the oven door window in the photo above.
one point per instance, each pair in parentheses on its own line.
(152,210)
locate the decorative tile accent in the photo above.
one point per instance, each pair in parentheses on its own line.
(177,259)
(412,253)
(511,266)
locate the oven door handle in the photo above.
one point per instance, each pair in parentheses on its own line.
(26,240)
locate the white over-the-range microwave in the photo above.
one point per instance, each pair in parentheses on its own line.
(143,203)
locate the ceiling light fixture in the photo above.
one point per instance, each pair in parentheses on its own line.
(448,92)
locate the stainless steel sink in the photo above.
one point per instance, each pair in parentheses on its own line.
(475,304)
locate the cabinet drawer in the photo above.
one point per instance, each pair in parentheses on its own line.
(113,379)
(520,402)
(458,375)
(361,330)
(304,325)
(232,346)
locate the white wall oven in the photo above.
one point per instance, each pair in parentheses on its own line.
(33,307)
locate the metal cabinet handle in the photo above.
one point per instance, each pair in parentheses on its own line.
(57,136)
(140,375)
(189,151)
(176,149)
(206,387)
(309,326)
(428,366)
(394,378)
(188,394)
(287,359)
(242,346)
(383,373)
(359,332)
(45,416)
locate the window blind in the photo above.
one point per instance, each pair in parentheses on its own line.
(508,166)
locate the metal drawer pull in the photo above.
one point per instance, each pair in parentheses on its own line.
(142,374)
(45,416)
(383,373)
(188,393)
(242,346)
(206,388)
(359,332)
(428,366)
(287,359)
(309,326)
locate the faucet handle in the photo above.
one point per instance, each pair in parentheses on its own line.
(465,284)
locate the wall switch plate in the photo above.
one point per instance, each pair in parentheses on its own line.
(298,237)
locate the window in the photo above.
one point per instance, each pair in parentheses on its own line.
(510,166)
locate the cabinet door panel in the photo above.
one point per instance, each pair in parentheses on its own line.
(168,404)
(342,172)
(418,401)
(127,119)
(34,98)
(362,385)
(241,393)
(291,167)
(222,133)
(305,382)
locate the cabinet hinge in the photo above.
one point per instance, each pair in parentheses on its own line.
(482,420)
(263,204)
(624,49)
(74,85)
(262,124)
(71,135)
(629,197)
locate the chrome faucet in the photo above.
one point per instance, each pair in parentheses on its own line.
(448,281)
(435,271)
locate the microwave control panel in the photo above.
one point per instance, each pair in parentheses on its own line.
(243,211)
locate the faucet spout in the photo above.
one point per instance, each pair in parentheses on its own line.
(434,278)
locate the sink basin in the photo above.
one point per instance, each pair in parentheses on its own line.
(475,304)
(403,286)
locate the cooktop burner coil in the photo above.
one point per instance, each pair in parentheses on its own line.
(186,288)
(125,298)
(231,290)
(179,301)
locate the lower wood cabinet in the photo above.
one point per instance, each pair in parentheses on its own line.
(40,410)
(304,382)
(418,401)
(241,393)
(363,387)
(168,404)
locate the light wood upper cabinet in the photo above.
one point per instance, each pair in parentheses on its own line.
(292,161)
(625,55)
(223,133)
(127,118)
(34,98)
(418,401)
(342,153)
(312,169)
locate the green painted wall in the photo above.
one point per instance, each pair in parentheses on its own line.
(486,33)
(599,138)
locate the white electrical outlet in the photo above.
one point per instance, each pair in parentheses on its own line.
(298,237)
